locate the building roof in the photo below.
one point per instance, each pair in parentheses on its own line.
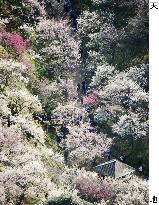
(114,168)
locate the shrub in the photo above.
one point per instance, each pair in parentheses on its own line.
(94,189)
(14,41)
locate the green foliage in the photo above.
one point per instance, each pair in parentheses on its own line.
(131,22)
(140,154)
(51,141)
(19,12)
(43,71)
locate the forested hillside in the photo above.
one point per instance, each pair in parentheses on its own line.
(73,95)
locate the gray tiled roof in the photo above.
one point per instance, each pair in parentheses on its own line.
(114,168)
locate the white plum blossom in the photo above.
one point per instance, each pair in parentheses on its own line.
(85,22)
(98,34)
(4,109)
(132,189)
(137,3)
(22,101)
(30,128)
(139,75)
(47,8)
(69,113)
(102,75)
(62,90)
(44,78)
(28,169)
(55,41)
(84,144)
(121,90)
(131,125)
(10,72)
(103,114)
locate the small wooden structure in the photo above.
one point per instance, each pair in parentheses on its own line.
(114,168)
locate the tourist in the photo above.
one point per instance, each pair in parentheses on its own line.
(140,169)
(84,88)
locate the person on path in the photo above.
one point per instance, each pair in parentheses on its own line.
(84,88)
(78,87)
(91,119)
(67,6)
(81,100)
(108,154)
(79,93)
(140,169)
(87,108)
(8,121)
(122,159)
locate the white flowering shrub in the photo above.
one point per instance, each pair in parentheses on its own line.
(116,190)
(132,189)
(98,32)
(26,172)
(4,109)
(29,128)
(131,125)
(69,113)
(121,90)
(84,145)
(126,3)
(123,110)
(21,101)
(10,144)
(50,59)
(47,8)
(10,72)
(51,94)
(140,75)
(58,47)
(102,75)
(32,178)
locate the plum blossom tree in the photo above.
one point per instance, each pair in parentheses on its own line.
(136,189)
(62,90)
(47,8)
(20,101)
(31,173)
(58,47)
(123,111)
(131,125)
(85,145)
(102,74)
(10,144)
(124,91)
(91,99)
(10,72)
(130,188)
(109,40)
(70,113)
(131,130)
(29,128)
(98,34)
(26,170)
(93,188)
(16,42)
(140,75)
(4,109)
